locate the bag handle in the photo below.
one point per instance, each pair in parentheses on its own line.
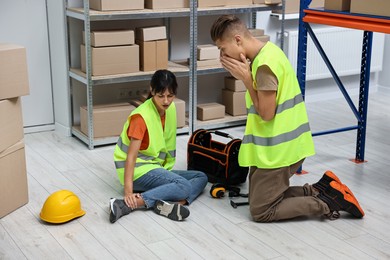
(223,134)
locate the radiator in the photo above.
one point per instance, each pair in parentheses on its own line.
(343,48)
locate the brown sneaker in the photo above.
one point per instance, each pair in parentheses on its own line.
(323,184)
(340,198)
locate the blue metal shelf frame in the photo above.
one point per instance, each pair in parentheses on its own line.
(361,112)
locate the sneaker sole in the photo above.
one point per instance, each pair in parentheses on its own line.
(326,179)
(349,203)
(174,212)
(113,218)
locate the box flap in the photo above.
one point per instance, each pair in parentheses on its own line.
(13,148)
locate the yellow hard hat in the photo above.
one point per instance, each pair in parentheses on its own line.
(61,206)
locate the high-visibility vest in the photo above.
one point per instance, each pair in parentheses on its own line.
(286,139)
(161,151)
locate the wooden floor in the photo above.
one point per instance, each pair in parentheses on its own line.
(214,229)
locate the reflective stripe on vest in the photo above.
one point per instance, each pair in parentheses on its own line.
(280,108)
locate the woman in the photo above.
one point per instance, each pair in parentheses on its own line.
(145,155)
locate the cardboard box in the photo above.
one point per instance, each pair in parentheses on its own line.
(292,6)
(207,63)
(180,112)
(112,60)
(258,1)
(108,119)
(373,7)
(234,102)
(337,5)
(153,33)
(13,71)
(208,52)
(116,5)
(208,3)
(256,32)
(153,55)
(234,84)
(239,2)
(13,179)
(164,4)
(111,38)
(210,111)
(272,2)
(11,122)
(264,38)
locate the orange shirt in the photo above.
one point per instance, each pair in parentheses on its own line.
(139,131)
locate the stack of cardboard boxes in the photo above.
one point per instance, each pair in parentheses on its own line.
(233,96)
(153,47)
(13,84)
(259,34)
(112,52)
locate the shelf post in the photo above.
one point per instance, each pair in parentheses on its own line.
(88,57)
(302,47)
(193,65)
(363,95)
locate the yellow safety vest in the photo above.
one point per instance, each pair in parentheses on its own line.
(286,139)
(162,143)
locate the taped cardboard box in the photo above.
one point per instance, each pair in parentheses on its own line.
(337,5)
(152,33)
(180,112)
(111,38)
(153,55)
(112,60)
(164,4)
(234,102)
(116,5)
(13,71)
(108,120)
(373,7)
(234,84)
(13,178)
(210,111)
(207,52)
(11,122)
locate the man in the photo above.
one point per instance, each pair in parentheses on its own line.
(277,136)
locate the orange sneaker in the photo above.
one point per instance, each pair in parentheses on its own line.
(340,198)
(323,183)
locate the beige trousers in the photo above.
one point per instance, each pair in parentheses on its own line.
(271,198)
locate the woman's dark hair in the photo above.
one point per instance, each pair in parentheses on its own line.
(163,80)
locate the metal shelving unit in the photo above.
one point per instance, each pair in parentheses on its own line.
(88,16)
(227,121)
(367,23)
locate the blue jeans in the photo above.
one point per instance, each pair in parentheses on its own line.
(175,185)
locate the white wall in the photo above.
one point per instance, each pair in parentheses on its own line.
(24,22)
(384,76)
(59,61)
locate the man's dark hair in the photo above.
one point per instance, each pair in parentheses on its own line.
(227,24)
